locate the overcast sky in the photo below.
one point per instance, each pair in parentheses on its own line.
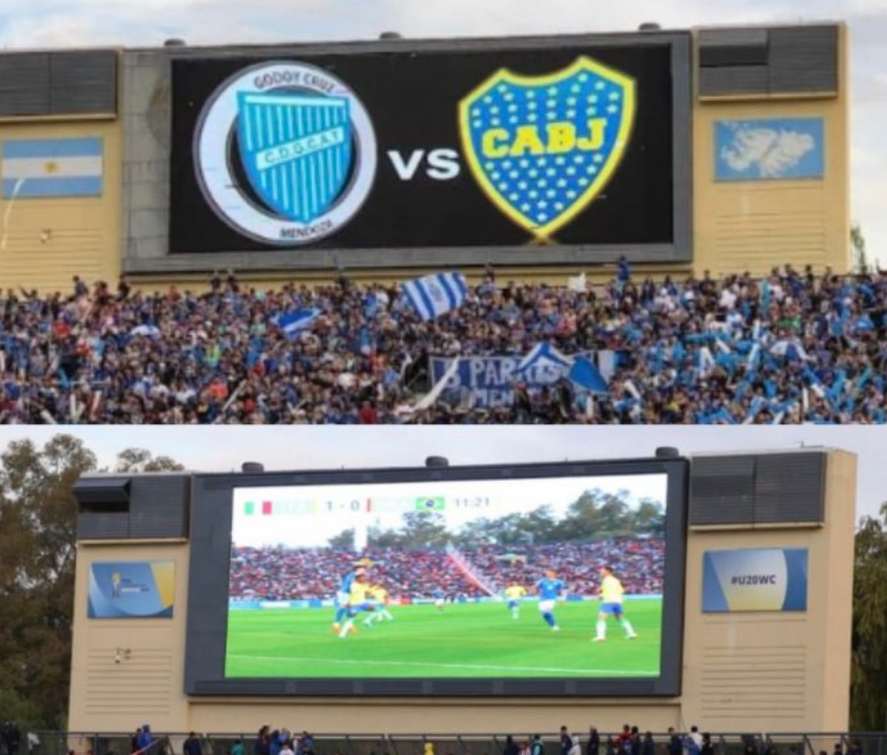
(52,23)
(311,447)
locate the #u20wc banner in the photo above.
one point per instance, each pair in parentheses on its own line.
(754,580)
(131,589)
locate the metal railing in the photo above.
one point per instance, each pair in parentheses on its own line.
(92,743)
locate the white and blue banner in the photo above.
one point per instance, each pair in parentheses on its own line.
(773,579)
(435,295)
(489,381)
(293,323)
(769,149)
(44,168)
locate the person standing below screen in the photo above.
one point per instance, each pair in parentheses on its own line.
(343,596)
(514,595)
(550,589)
(612,593)
(192,746)
(566,741)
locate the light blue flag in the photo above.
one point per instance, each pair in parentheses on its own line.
(435,295)
(41,168)
(293,323)
(583,373)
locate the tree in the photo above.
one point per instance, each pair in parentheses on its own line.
(648,519)
(868,682)
(860,255)
(38,535)
(134,460)
(38,516)
(344,541)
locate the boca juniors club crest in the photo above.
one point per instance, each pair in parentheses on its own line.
(285,153)
(543,147)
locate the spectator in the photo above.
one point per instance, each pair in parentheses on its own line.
(566,742)
(236,749)
(675,744)
(537,747)
(594,742)
(263,741)
(144,739)
(576,748)
(707,748)
(510,747)
(648,747)
(192,746)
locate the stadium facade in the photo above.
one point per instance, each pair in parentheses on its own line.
(721,149)
(755,596)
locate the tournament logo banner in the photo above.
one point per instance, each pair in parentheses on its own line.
(305,143)
(131,590)
(754,580)
(543,147)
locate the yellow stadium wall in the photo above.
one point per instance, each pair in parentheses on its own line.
(756,225)
(45,242)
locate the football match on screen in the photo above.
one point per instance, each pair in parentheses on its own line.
(548,577)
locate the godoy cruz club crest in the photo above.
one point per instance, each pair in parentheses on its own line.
(543,147)
(285,153)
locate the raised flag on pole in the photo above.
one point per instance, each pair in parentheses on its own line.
(435,295)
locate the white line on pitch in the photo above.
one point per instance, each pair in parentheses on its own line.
(422,664)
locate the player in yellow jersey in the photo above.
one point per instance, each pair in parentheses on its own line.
(357,602)
(611,592)
(514,595)
(379,600)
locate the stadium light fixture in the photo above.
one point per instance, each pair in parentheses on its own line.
(390,35)
(175,42)
(433,462)
(252,467)
(649,26)
(667,452)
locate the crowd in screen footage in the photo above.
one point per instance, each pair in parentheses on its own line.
(789,348)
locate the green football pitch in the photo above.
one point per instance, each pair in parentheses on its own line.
(473,640)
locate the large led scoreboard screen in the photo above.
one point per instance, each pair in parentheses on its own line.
(569,577)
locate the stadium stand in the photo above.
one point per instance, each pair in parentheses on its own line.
(289,573)
(794,347)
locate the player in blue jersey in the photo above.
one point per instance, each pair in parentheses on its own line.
(343,597)
(550,589)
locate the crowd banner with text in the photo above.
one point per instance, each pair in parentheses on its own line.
(488,382)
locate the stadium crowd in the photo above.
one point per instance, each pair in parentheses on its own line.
(631,740)
(793,347)
(281,573)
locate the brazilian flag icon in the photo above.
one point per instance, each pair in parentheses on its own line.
(430,504)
